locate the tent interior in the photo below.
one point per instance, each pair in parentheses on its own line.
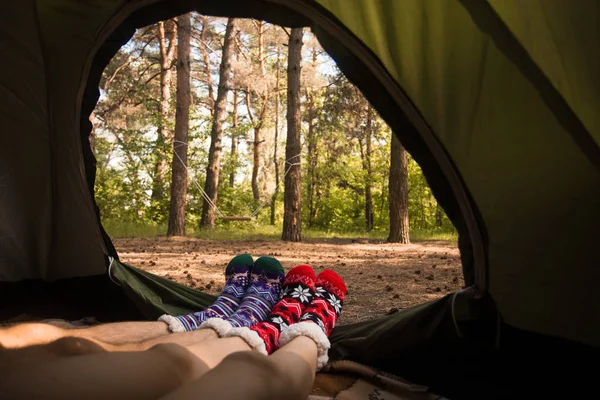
(496,100)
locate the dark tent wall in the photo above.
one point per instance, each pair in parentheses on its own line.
(67,33)
(25,156)
(536,189)
(563,44)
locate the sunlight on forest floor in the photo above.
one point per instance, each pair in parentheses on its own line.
(382,278)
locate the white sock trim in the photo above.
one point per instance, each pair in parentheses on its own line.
(175,325)
(310,330)
(250,337)
(218,325)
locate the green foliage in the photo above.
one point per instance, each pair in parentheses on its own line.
(128,148)
(120,191)
(424,212)
(342,178)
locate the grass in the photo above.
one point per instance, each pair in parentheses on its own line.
(249,230)
(422,234)
(415,235)
(119,229)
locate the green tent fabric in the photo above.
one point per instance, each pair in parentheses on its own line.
(155,296)
(497,100)
(559,50)
(24,236)
(517,160)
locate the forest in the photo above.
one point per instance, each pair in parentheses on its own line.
(209,124)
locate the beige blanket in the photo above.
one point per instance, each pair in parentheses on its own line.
(347,380)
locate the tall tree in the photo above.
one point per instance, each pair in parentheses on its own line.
(208,71)
(292,201)
(275,145)
(167,31)
(439,217)
(398,197)
(234,131)
(93,131)
(258,121)
(234,139)
(312,145)
(366,151)
(216,135)
(182,119)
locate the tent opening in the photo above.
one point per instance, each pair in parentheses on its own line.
(355,175)
(427,154)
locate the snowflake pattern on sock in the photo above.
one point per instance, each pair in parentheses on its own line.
(298,292)
(326,307)
(261,295)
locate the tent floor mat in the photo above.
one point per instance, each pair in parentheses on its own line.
(348,380)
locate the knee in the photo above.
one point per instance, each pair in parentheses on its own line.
(178,361)
(252,359)
(264,371)
(22,335)
(72,346)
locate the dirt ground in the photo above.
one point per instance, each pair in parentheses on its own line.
(382,278)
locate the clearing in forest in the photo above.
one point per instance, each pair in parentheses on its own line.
(382,278)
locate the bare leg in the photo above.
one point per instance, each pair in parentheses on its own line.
(28,334)
(287,374)
(50,372)
(22,335)
(185,339)
(64,347)
(126,332)
(77,368)
(118,336)
(57,372)
(213,352)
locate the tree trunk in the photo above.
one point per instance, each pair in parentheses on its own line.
(92,136)
(439,217)
(275,160)
(312,148)
(182,119)
(234,139)
(365,156)
(398,188)
(311,160)
(424,223)
(256,153)
(167,53)
(259,124)
(235,133)
(209,81)
(369,170)
(216,135)
(383,197)
(292,218)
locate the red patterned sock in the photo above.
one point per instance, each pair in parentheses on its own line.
(326,307)
(320,316)
(298,292)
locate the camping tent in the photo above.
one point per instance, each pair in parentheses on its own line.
(496,100)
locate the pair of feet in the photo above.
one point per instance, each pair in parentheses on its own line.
(251,290)
(267,310)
